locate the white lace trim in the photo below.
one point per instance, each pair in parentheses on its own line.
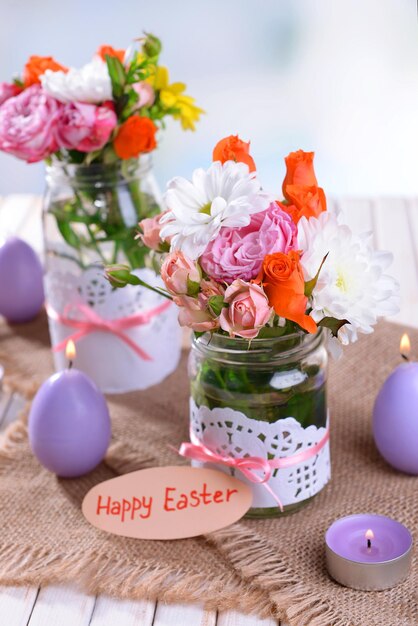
(231,433)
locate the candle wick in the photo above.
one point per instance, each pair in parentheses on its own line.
(405,357)
(70,364)
(369,544)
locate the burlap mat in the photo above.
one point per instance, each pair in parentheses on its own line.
(273,567)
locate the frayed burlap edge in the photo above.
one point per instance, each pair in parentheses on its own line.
(97,573)
(263,584)
(256,560)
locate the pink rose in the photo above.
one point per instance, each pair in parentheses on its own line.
(8,90)
(146,95)
(151,227)
(239,252)
(209,288)
(85,127)
(195,315)
(177,271)
(27,123)
(248,310)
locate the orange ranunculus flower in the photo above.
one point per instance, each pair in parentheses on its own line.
(299,170)
(36,66)
(232,148)
(135,136)
(304,201)
(285,288)
(112,52)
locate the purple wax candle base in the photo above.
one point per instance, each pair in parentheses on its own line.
(352,563)
(21,280)
(395,419)
(69,424)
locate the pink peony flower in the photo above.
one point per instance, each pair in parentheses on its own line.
(85,127)
(177,271)
(146,94)
(151,227)
(194,314)
(27,123)
(8,90)
(239,252)
(248,310)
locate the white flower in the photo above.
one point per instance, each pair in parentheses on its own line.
(91,83)
(352,283)
(224,195)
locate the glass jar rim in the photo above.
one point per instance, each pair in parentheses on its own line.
(216,345)
(97,174)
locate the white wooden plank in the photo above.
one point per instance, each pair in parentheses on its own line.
(61,606)
(356,213)
(31,228)
(14,211)
(5,399)
(112,612)
(412,213)
(13,408)
(232,618)
(16,604)
(186,615)
(393,233)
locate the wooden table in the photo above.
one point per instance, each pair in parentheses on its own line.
(394,223)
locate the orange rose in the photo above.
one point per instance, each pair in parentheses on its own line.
(135,136)
(112,52)
(285,288)
(36,66)
(299,170)
(232,148)
(304,202)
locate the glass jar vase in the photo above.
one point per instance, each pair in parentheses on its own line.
(264,399)
(127,338)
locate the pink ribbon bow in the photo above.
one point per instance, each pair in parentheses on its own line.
(248,465)
(93,322)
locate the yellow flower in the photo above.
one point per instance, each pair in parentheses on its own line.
(173,97)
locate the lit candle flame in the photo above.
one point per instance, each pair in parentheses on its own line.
(70,351)
(369,534)
(405,346)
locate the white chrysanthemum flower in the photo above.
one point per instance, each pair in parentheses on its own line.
(224,195)
(91,83)
(352,283)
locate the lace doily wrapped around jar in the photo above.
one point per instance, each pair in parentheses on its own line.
(114,364)
(231,433)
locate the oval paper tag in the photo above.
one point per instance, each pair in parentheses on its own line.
(167,502)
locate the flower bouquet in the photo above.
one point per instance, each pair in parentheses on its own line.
(265,285)
(96,127)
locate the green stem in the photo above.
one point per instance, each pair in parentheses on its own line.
(137,198)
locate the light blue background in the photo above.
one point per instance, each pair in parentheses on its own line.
(336,76)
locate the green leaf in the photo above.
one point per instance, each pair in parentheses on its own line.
(192,287)
(333,324)
(76,156)
(311,284)
(120,104)
(268,332)
(117,75)
(68,233)
(216,304)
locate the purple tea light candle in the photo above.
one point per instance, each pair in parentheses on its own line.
(368,552)
(395,415)
(69,422)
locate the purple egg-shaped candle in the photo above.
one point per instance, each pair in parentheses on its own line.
(69,423)
(395,415)
(21,281)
